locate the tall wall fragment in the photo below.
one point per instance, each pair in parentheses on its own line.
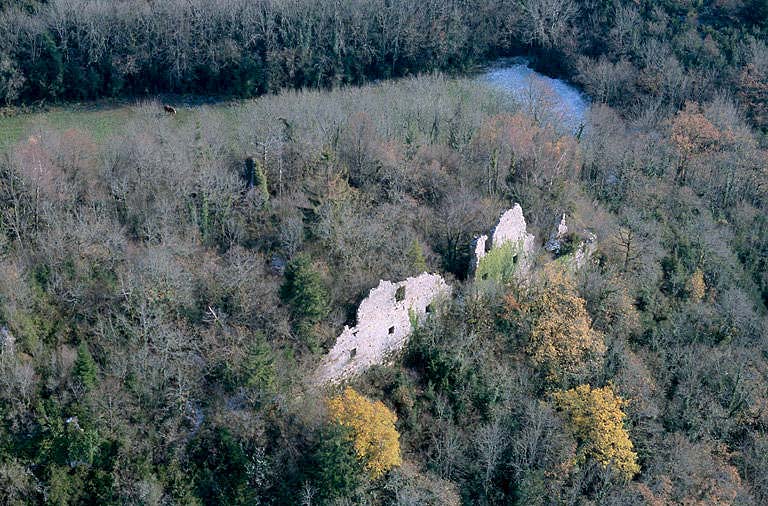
(511,230)
(557,235)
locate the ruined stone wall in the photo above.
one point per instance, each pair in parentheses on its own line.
(511,229)
(586,248)
(384,317)
(480,245)
(383,325)
(555,239)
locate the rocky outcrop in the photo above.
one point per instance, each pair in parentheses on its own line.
(384,323)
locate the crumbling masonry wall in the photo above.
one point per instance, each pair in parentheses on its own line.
(383,325)
(384,317)
(584,251)
(511,229)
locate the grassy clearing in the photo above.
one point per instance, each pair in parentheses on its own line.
(100,121)
(262,118)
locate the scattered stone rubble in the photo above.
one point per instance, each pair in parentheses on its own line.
(383,325)
(583,252)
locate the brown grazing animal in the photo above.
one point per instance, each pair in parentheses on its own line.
(170,110)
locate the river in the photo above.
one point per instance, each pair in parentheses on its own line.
(551,99)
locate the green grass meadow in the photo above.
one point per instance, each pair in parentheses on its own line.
(100,122)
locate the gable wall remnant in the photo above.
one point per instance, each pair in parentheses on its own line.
(510,229)
(383,325)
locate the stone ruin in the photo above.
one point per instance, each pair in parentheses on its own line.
(583,251)
(556,237)
(384,317)
(383,325)
(511,229)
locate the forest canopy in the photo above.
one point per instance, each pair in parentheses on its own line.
(620,51)
(170,282)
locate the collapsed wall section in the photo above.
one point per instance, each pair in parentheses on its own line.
(383,325)
(558,244)
(586,249)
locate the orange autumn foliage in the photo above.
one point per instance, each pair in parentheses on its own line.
(562,343)
(693,135)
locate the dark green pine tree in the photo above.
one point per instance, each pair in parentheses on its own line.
(258,368)
(85,367)
(415,255)
(335,471)
(304,291)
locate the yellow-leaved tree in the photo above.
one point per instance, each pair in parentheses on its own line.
(697,287)
(596,418)
(376,440)
(562,343)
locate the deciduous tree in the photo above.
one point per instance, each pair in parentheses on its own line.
(562,343)
(595,415)
(376,440)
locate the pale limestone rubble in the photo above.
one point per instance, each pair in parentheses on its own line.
(554,243)
(383,325)
(511,229)
(585,251)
